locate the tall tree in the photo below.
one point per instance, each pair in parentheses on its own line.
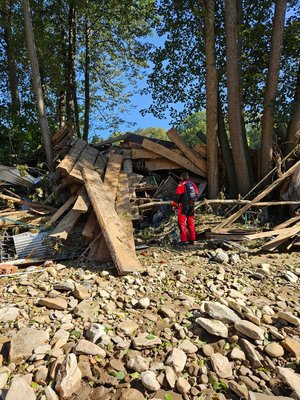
(10,55)
(271,88)
(37,85)
(234,99)
(86,126)
(211,99)
(293,133)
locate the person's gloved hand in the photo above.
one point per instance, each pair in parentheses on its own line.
(174,205)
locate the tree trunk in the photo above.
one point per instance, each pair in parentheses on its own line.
(211,100)
(271,88)
(293,133)
(234,96)
(227,153)
(87,82)
(11,62)
(239,10)
(72,105)
(37,86)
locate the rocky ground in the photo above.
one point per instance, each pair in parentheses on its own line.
(193,325)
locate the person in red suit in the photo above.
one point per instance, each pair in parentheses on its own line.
(185,197)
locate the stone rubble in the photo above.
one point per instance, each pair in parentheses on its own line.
(186,328)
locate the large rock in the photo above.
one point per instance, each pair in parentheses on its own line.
(94,332)
(274,349)
(85,347)
(24,342)
(220,312)
(188,347)
(249,329)
(291,379)
(68,379)
(253,356)
(50,394)
(183,385)
(293,346)
(131,394)
(262,396)
(213,326)
(292,319)
(129,327)
(87,310)
(146,341)
(177,360)
(138,363)
(9,314)
(19,390)
(80,292)
(149,380)
(54,304)
(221,365)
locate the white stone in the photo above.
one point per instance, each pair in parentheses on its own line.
(86,347)
(249,329)
(221,365)
(177,360)
(149,380)
(68,379)
(138,363)
(220,312)
(20,389)
(213,326)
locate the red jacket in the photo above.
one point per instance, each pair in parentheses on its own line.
(181,196)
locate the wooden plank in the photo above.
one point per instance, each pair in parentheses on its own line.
(134,179)
(201,149)
(116,239)
(82,203)
(86,159)
(30,204)
(260,196)
(71,200)
(161,164)
(90,225)
(280,239)
(100,163)
(287,223)
(192,155)
(262,235)
(66,225)
(66,165)
(123,207)
(169,154)
(111,177)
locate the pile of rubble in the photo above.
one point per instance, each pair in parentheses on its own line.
(185,329)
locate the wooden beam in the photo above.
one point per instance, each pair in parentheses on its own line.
(116,239)
(66,225)
(260,196)
(289,222)
(82,203)
(29,204)
(201,149)
(192,155)
(90,225)
(66,165)
(143,153)
(161,164)
(169,154)
(123,207)
(281,238)
(262,235)
(134,180)
(71,200)
(112,172)
(86,159)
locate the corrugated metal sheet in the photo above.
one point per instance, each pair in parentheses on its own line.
(12,175)
(41,246)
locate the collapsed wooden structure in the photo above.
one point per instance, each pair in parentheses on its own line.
(103,188)
(102,182)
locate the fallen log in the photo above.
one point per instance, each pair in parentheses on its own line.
(27,203)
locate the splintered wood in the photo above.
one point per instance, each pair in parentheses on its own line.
(117,241)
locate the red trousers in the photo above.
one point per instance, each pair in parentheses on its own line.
(186,219)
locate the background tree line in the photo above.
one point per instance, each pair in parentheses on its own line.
(234,63)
